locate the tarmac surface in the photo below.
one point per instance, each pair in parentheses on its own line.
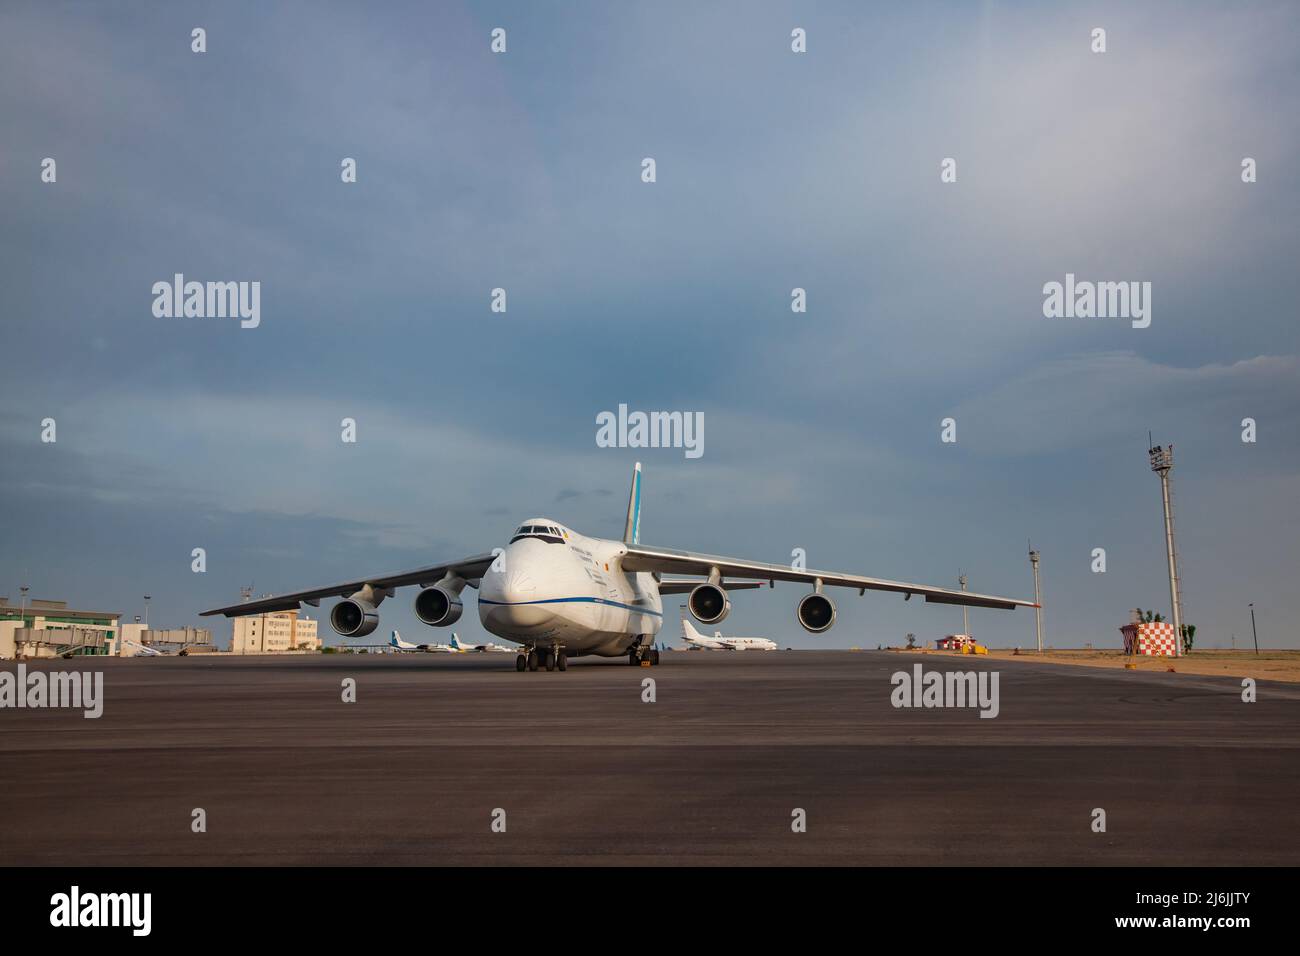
(587,773)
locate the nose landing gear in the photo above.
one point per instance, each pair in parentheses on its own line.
(549,657)
(638,655)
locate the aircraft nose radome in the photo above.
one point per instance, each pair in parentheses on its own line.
(512,605)
(519,584)
(517,616)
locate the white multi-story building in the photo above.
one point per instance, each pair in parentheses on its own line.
(275,632)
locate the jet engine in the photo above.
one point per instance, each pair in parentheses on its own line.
(709,603)
(438,607)
(354,618)
(816,612)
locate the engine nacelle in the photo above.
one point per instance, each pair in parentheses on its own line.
(438,607)
(816,612)
(709,603)
(353,618)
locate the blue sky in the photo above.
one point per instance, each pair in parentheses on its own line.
(775,170)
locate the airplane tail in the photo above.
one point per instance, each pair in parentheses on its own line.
(689,632)
(632,529)
(455,642)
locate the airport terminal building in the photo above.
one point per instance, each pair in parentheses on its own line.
(52,629)
(44,629)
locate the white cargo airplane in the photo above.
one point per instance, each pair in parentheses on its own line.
(398,644)
(717,642)
(560,594)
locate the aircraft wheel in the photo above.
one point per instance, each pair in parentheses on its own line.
(532,660)
(632,658)
(521,663)
(562,662)
(550,660)
(654,657)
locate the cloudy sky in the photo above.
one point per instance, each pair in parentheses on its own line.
(775,170)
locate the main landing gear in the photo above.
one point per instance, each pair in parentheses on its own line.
(650,654)
(551,658)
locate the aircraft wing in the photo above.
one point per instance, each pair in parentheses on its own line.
(684,586)
(670,561)
(472,568)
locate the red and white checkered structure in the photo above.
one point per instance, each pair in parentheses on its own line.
(1153,639)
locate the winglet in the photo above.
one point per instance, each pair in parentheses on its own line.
(632,529)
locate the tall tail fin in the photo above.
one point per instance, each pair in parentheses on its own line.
(632,529)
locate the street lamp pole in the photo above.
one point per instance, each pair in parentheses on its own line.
(1038,599)
(1252,627)
(22,612)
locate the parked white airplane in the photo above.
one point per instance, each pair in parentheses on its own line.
(717,642)
(560,594)
(464,648)
(142,650)
(397,643)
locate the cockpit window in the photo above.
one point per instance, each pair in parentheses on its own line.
(542,532)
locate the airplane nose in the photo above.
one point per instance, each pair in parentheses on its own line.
(511,603)
(518,586)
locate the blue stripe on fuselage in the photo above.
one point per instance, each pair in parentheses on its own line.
(574,600)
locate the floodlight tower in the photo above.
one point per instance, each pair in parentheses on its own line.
(1038,599)
(965,622)
(1162,463)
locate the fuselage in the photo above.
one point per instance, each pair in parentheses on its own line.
(746,643)
(551,585)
